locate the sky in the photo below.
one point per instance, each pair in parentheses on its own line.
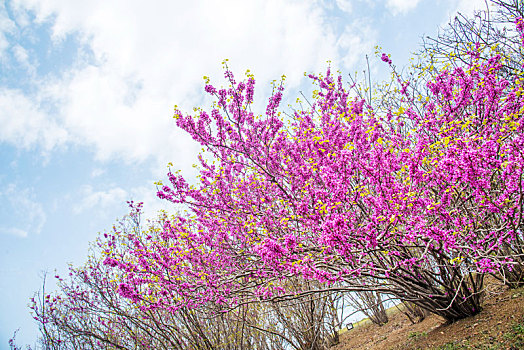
(87,90)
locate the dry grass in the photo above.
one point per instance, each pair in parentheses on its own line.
(499,326)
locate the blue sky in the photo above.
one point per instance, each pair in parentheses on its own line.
(87,90)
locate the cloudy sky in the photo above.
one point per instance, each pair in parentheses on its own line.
(87,90)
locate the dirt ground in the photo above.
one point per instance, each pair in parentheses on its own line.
(500,325)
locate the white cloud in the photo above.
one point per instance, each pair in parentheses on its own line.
(97,172)
(359,38)
(13,231)
(25,124)
(99,200)
(401,6)
(468,7)
(19,14)
(7,26)
(345,5)
(148,58)
(22,57)
(114,200)
(24,215)
(176,42)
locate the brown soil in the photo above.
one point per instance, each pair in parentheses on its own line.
(493,328)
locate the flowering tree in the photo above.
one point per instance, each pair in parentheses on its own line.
(96,309)
(419,197)
(418,205)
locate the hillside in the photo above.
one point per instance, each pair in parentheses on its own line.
(499,326)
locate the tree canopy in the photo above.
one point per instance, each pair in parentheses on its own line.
(416,193)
